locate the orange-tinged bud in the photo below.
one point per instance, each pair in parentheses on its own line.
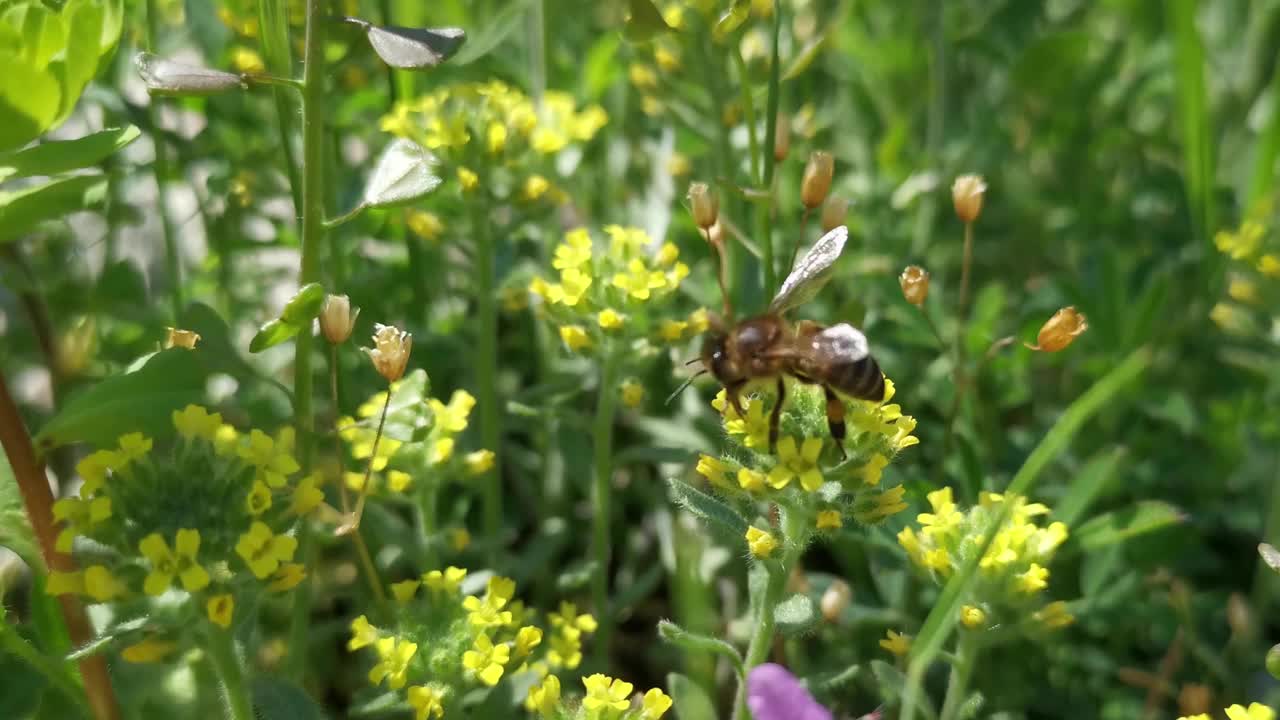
(817,178)
(1060,331)
(966,194)
(834,211)
(181,338)
(782,137)
(337,319)
(705,205)
(390,351)
(834,601)
(915,284)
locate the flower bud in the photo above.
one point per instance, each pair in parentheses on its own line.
(390,351)
(973,617)
(915,284)
(1273,661)
(336,319)
(834,601)
(782,137)
(966,194)
(181,338)
(1194,699)
(817,178)
(706,207)
(834,211)
(1060,330)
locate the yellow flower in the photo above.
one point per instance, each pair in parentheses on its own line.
(830,520)
(655,704)
(258,500)
(79,515)
(799,463)
(447,582)
(226,441)
(679,165)
(180,562)
(245,60)
(544,698)
(94,467)
(896,643)
(547,141)
(642,76)
(478,462)
(1243,290)
(134,446)
(468,179)
(667,58)
(574,252)
(944,517)
(570,621)
(496,137)
(1242,243)
(64,583)
(403,591)
(972,616)
(699,321)
(575,337)
(488,611)
(754,427)
(287,577)
(609,319)
(1255,711)
(874,468)
(606,693)
(399,481)
(220,609)
(761,543)
(362,633)
(395,656)
(713,470)
(632,393)
(486,660)
(441,451)
(1269,265)
(565,650)
(263,551)
(101,585)
(535,186)
(425,702)
(426,225)
(194,421)
(452,418)
(672,330)
(273,464)
(147,651)
(1035,579)
(750,480)
(639,280)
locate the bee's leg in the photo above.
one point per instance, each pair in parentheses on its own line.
(731,393)
(776,415)
(835,419)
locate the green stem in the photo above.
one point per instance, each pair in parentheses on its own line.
(961,671)
(313,157)
(55,672)
(762,638)
(764,211)
(749,108)
(602,447)
(222,652)
(160,168)
(429,523)
(275,48)
(487,367)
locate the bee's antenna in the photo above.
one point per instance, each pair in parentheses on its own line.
(684,385)
(687,363)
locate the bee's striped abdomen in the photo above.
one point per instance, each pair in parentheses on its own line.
(859,378)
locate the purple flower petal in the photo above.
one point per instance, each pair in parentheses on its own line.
(773,693)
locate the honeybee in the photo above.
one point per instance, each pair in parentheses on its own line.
(767,346)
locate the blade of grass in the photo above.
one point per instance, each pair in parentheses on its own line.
(1194,117)
(1091,480)
(942,618)
(1266,150)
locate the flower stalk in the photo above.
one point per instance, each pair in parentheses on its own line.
(222,652)
(764,211)
(602,445)
(160,169)
(961,671)
(487,368)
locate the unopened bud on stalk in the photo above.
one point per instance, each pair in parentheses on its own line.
(337,319)
(915,284)
(705,205)
(966,194)
(390,351)
(1060,330)
(1273,661)
(817,178)
(834,211)
(834,601)
(181,338)
(715,234)
(782,137)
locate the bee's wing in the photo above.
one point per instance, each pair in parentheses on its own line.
(839,343)
(811,272)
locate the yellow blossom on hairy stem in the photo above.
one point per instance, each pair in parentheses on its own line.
(78,515)
(94,467)
(1241,243)
(287,577)
(654,704)
(134,446)
(714,470)
(227,441)
(362,633)
(632,393)
(1255,711)
(642,76)
(606,694)
(488,610)
(760,542)
(565,650)
(535,186)
(945,517)
(487,660)
(404,590)
(877,506)
(273,464)
(548,141)
(527,638)
(245,60)
(446,581)
(639,281)
(575,337)
(264,551)
(797,462)
(874,469)
(393,666)
(452,418)
(496,137)
(1054,615)
(179,562)
(829,520)
(426,702)
(478,462)
(754,427)
(468,179)
(441,450)
(220,608)
(672,330)
(1034,579)
(194,422)
(896,643)
(609,319)
(572,286)
(751,480)
(147,651)
(426,225)
(101,585)
(544,697)
(972,616)
(574,252)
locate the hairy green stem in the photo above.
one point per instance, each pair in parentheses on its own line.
(487,367)
(764,211)
(795,538)
(961,670)
(313,158)
(601,490)
(222,652)
(160,170)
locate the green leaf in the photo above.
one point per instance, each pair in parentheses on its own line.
(278,699)
(216,349)
(889,679)
(710,509)
(1270,556)
(272,333)
(644,21)
(21,687)
(79,59)
(1194,116)
(504,23)
(1088,484)
(805,57)
(23,210)
(305,305)
(695,642)
(731,19)
(1121,525)
(52,158)
(405,172)
(15,529)
(795,615)
(139,401)
(29,98)
(689,699)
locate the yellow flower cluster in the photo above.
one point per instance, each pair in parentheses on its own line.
(474,640)
(1014,569)
(1250,286)
(611,292)
(167,520)
(606,698)
(1255,711)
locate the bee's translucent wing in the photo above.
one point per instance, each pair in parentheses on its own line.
(842,343)
(811,272)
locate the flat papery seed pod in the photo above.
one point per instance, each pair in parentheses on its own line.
(165,77)
(405,171)
(414,48)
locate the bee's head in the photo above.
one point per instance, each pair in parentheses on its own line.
(716,359)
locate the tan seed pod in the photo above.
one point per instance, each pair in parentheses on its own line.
(1060,330)
(782,137)
(705,205)
(337,319)
(181,338)
(966,194)
(390,351)
(915,284)
(817,178)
